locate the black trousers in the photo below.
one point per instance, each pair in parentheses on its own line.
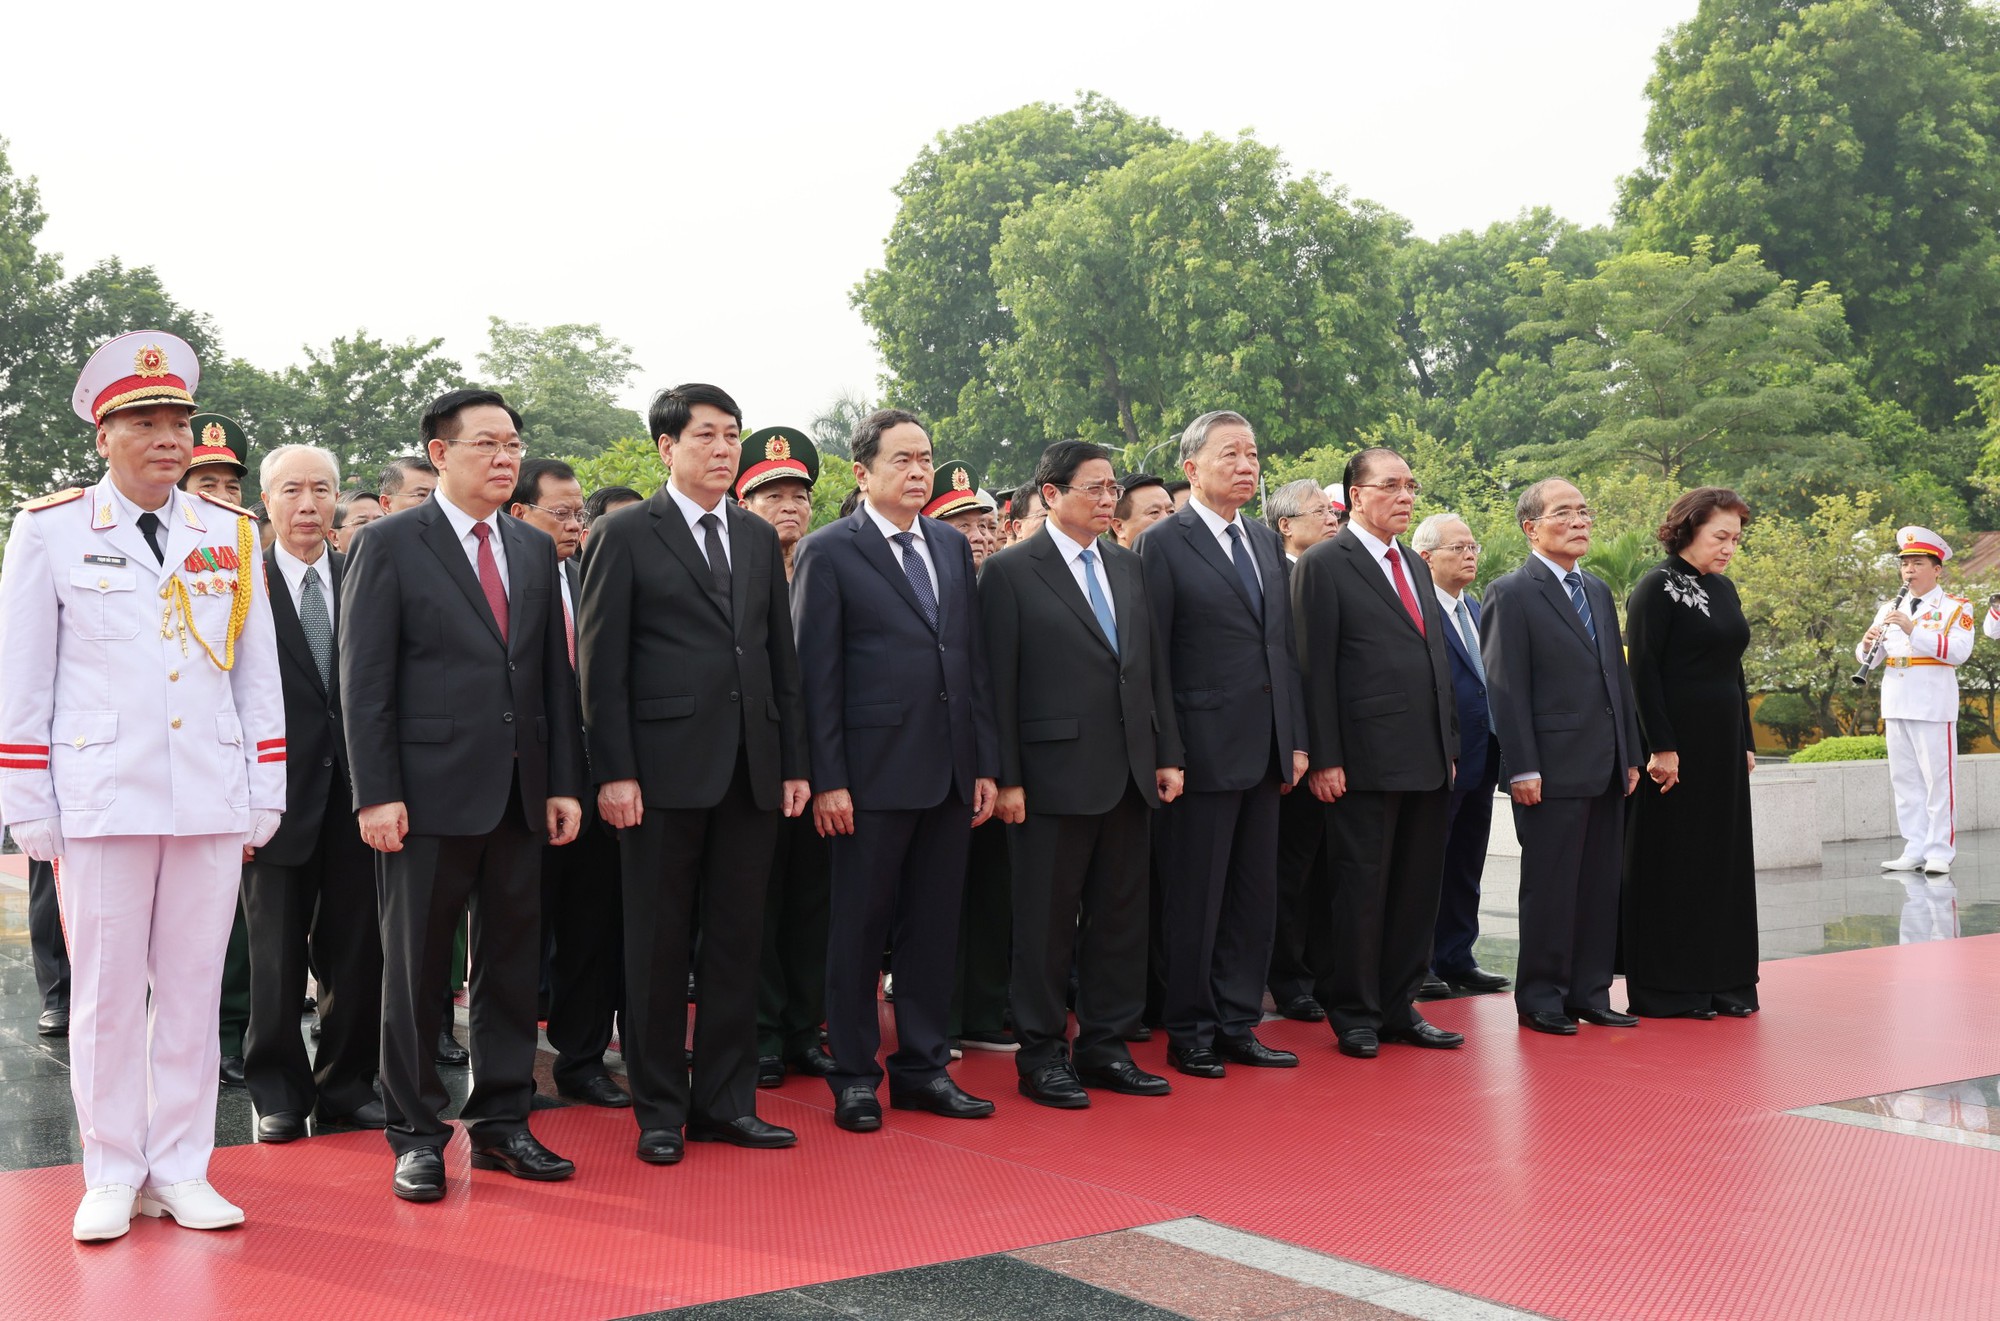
(329,901)
(1388,855)
(985,934)
(420,892)
(1302,946)
(681,867)
(791,985)
(45,937)
(583,912)
(1468,828)
(233,1010)
(1080,901)
(1218,868)
(896,880)
(1572,860)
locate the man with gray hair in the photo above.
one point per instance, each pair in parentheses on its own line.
(313,881)
(1220,593)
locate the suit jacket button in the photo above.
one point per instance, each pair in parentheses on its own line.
(332,714)
(940,646)
(739,651)
(1267,687)
(507,716)
(326,761)
(732,697)
(944,697)
(511,667)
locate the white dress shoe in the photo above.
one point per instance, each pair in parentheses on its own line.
(192,1204)
(105,1212)
(1937,866)
(1903,864)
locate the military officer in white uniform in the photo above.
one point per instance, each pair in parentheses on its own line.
(1924,640)
(142,748)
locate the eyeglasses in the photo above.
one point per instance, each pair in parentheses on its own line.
(1413,488)
(1462,548)
(1581,515)
(493,449)
(1096,490)
(561,515)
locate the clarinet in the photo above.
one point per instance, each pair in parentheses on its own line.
(1860,677)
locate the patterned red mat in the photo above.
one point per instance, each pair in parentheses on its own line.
(1641,1174)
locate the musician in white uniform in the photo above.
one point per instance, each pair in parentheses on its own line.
(1925,635)
(142,748)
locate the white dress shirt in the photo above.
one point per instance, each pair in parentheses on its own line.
(1558,570)
(461,525)
(1448,602)
(1219,527)
(1072,553)
(694,513)
(294,570)
(920,545)
(1378,550)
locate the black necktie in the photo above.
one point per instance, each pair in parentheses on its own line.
(718,561)
(1245,570)
(1574,581)
(149,524)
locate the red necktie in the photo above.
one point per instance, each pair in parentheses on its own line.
(1403,589)
(489,577)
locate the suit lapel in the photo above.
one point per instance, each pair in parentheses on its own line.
(1195,529)
(519,569)
(1452,636)
(285,619)
(739,563)
(1054,570)
(875,549)
(671,527)
(438,536)
(1553,592)
(1362,561)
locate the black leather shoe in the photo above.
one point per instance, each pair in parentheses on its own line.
(749,1131)
(284,1126)
(1303,1009)
(661,1146)
(1200,1062)
(770,1071)
(815,1063)
(448,1049)
(598,1089)
(371,1114)
(1246,1049)
(524,1158)
(419,1175)
(1359,1043)
(1434,988)
(53,1023)
(1478,981)
(857,1110)
(1055,1085)
(1125,1077)
(231,1072)
(1602,1017)
(1735,1010)
(941,1096)
(1702,1014)
(1556,1025)
(1428,1035)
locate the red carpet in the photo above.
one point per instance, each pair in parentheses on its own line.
(1640,1174)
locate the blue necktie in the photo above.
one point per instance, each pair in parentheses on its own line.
(1245,570)
(1099,606)
(1470,636)
(920,581)
(1574,581)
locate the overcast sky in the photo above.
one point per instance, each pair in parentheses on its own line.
(709,182)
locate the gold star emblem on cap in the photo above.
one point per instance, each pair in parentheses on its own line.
(212,434)
(150,361)
(778,448)
(961,480)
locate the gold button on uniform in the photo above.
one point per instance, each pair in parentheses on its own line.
(103,584)
(175,722)
(173,676)
(79,743)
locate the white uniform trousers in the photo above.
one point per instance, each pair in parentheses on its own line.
(1922,764)
(146,912)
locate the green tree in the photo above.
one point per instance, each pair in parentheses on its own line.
(1854,142)
(565,381)
(362,398)
(932,304)
(632,461)
(832,427)
(29,284)
(1200,276)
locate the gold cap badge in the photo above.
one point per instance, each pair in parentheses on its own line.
(150,361)
(778,448)
(961,480)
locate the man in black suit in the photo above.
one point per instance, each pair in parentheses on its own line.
(1384,737)
(582,933)
(1078,693)
(1569,749)
(885,612)
(1452,556)
(1220,593)
(314,879)
(697,742)
(465,746)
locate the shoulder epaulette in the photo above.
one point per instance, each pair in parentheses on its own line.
(1962,600)
(52,499)
(234,509)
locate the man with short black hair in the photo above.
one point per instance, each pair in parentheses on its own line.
(1144,503)
(353,511)
(605,500)
(406,483)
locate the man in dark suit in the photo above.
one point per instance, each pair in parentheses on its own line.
(582,934)
(697,742)
(1220,593)
(1088,745)
(464,744)
(1452,556)
(885,613)
(1569,749)
(313,880)
(1384,737)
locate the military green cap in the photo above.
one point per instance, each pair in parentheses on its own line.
(774,454)
(954,490)
(218,439)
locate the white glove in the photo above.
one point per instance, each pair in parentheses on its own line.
(263,825)
(41,840)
